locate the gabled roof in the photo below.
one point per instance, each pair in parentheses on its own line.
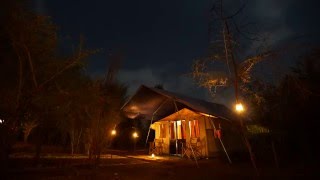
(183,114)
(157,103)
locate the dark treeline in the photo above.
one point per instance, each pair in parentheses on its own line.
(283,113)
(290,111)
(46,97)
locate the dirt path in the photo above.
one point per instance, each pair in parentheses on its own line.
(128,168)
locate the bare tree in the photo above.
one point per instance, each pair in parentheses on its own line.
(221,68)
(108,96)
(224,66)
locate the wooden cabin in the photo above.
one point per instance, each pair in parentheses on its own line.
(186,128)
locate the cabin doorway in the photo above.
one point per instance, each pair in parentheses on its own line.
(177,131)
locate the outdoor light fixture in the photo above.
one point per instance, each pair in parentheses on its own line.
(152,156)
(113,132)
(135,135)
(239,107)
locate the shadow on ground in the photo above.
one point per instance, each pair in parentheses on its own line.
(142,167)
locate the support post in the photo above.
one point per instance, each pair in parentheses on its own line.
(275,154)
(149,131)
(154,113)
(175,123)
(224,149)
(194,156)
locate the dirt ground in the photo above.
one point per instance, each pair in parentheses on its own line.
(144,167)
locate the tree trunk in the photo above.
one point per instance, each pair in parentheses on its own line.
(37,152)
(78,141)
(72,141)
(227,41)
(19,82)
(38,146)
(35,82)
(25,136)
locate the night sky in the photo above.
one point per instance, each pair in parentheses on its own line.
(161,38)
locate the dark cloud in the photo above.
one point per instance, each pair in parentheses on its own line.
(302,16)
(161,38)
(151,77)
(40,7)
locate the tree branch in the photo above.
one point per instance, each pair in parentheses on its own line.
(31,66)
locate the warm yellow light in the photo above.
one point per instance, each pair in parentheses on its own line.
(113,132)
(152,155)
(239,107)
(135,135)
(179,123)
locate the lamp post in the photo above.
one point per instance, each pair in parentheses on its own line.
(113,133)
(240,109)
(135,137)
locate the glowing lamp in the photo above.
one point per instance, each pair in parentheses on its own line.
(135,135)
(239,107)
(152,156)
(113,132)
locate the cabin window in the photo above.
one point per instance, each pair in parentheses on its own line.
(162,130)
(194,129)
(181,128)
(172,130)
(178,129)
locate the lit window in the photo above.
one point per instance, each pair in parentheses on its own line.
(177,129)
(194,129)
(162,130)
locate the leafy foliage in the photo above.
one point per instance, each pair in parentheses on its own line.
(290,110)
(47,95)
